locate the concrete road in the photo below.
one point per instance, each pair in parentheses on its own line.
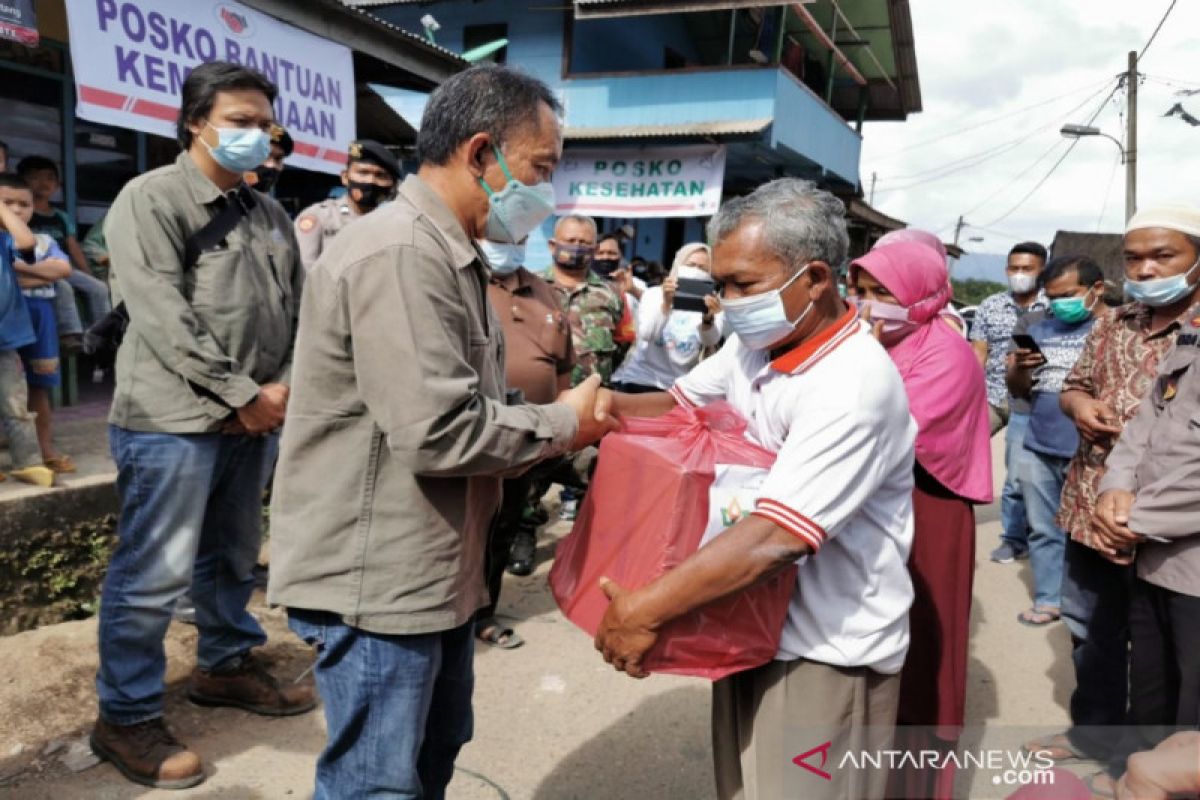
(553,722)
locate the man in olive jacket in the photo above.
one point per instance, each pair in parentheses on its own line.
(201,379)
(398,435)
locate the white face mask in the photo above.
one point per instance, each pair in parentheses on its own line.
(502,258)
(761,320)
(691,273)
(1022,282)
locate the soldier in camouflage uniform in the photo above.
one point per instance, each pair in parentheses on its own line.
(600,323)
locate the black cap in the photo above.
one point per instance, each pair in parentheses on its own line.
(281,137)
(370,150)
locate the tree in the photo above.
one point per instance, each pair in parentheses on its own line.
(972,291)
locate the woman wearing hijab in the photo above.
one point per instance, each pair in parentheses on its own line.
(670,341)
(902,290)
(949,313)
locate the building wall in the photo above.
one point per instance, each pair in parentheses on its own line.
(620,45)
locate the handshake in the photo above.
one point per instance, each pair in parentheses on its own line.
(593,407)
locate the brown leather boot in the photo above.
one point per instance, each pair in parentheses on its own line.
(147,753)
(249,686)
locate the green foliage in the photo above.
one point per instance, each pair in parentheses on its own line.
(972,291)
(52,575)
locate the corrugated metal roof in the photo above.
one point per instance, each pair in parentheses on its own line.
(593,9)
(359,7)
(729,128)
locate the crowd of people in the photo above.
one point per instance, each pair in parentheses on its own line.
(410,391)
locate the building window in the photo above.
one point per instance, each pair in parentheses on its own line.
(480,35)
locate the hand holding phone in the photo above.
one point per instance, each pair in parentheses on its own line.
(690,294)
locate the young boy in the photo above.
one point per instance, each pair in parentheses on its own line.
(41,174)
(16,331)
(36,277)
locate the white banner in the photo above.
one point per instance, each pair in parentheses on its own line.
(636,182)
(132,57)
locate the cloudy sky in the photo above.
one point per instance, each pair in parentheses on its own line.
(998,80)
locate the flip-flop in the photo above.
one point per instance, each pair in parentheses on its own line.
(61,464)
(1054,744)
(1108,790)
(500,636)
(1049,615)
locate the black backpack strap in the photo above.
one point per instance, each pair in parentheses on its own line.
(234,206)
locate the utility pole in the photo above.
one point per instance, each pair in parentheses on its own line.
(958,229)
(1131,92)
(872,200)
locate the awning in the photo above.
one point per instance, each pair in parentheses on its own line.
(858,210)
(379,121)
(395,56)
(694,130)
(598,9)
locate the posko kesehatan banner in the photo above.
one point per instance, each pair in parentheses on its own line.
(681,181)
(131,59)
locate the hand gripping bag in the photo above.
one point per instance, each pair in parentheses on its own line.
(664,487)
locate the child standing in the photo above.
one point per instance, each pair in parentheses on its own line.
(16,331)
(41,175)
(36,278)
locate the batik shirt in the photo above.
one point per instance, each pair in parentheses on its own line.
(1118,365)
(994,322)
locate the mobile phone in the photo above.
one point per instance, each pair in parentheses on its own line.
(690,294)
(1026,342)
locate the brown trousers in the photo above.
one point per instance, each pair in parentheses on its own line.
(766,717)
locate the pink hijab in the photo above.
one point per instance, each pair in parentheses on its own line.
(912,235)
(945,384)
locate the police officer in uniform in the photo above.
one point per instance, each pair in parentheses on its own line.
(266,175)
(370,179)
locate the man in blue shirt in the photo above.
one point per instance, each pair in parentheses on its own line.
(1074,286)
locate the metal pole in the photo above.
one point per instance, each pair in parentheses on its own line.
(958,229)
(1131,89)
(872,200)
(783,15)
(732,36)
(830,64)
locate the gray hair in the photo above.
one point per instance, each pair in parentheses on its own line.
(485,99)
(800,222)
(582,219)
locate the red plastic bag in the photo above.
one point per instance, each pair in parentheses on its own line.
(646,511)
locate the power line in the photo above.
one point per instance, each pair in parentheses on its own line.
(1157,28)
(1054,167)
(1107,193)
(1001,118)
(975,159)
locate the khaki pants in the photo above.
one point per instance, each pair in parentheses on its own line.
(765,717)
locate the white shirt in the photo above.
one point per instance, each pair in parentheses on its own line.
(835,411)
(668,345)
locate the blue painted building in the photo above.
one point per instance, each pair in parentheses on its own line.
(785,87)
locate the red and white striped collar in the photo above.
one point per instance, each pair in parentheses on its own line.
(808,352)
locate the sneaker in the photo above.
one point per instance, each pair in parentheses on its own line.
(1006,554)
(247,685)
(37,475)
(523,553)
(147,753)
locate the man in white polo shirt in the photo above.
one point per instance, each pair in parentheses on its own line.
(816,388)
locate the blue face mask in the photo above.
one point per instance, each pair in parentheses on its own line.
(239,149)
(517,209)
(1159,292)
(761,320)
(1071,309)
(502,258)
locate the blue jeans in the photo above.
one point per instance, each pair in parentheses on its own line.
(397,708)
(1014,523)
(191,517)
(1041,479)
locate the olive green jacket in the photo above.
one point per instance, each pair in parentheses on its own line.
(217,330)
